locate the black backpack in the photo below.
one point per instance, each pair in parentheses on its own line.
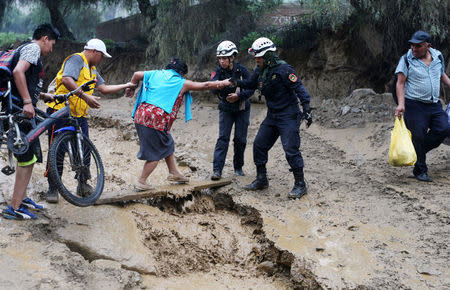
(394,85)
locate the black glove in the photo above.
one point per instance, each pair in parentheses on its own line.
(233,82)
(307,114)
(308,118)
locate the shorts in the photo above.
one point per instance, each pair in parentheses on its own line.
(34,152)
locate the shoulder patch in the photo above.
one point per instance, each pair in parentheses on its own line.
(213,74)
(293,78)
(274,76)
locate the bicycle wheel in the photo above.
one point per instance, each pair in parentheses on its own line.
(78,176)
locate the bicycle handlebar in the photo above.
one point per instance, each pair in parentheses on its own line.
(85,87)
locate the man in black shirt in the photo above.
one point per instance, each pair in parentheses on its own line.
(234,108)
(28,73)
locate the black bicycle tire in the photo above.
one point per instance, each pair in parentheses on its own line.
(56,178)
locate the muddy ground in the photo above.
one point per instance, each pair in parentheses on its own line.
(363,224)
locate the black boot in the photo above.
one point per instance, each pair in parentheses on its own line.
(299,188)
(217,175)
(261,181)
(52,195)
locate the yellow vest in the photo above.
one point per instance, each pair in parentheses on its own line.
(78,106)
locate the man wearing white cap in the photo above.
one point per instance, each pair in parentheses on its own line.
(76,70)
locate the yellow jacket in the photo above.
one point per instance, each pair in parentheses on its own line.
(78,106)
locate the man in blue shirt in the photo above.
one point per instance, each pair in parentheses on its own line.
(418,87)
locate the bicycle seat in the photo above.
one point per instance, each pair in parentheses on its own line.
(5,74)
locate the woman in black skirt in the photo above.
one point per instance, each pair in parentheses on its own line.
(157,105)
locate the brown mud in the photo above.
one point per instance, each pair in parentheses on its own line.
(363,224)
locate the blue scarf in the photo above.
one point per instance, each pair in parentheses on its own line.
(161,89)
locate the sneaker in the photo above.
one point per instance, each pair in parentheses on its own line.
(423,177)
(84,189)
(30,204)
(18,214)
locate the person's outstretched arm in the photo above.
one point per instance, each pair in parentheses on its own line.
(109,89)
(135,79)
(203,86)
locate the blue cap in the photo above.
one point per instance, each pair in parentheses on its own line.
(419,37)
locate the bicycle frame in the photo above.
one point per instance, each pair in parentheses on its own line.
(20,143)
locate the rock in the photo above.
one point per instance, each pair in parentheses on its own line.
(427,270)
(267,267)
(361,93)
(356,110)
(127,135)
(286,258)
(345,110)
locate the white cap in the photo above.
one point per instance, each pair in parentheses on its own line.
(98,45)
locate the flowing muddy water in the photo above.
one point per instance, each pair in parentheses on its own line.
(362,224)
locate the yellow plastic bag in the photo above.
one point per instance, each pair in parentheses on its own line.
(401,150)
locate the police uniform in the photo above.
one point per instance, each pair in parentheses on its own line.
(282,89)
(237,113)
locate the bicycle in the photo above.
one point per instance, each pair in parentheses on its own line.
(70,154)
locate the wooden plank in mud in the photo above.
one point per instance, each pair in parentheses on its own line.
(172,190)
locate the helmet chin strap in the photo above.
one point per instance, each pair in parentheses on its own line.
(230,63)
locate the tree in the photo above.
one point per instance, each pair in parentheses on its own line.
(58,19)
(189,28)
(3,5)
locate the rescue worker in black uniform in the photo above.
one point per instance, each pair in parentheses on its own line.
(283,90)
(234,108)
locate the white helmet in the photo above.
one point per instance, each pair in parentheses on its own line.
(261,46)
(226,48)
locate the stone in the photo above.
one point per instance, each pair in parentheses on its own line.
(267,267)
(362,93)
(345,110)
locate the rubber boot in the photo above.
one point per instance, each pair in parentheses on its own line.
(299,188)
(217,174)
(261,181)
(239,172)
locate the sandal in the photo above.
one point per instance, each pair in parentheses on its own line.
(142,186)
(175,178)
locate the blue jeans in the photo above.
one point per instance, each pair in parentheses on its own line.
(82,121)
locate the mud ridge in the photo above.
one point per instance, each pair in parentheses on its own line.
(266,258)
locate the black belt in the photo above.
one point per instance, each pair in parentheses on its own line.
(282,109)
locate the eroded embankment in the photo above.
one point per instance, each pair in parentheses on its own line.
(199,240)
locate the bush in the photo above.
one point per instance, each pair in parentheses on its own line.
(247,41)
(8,39)
(109,43)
